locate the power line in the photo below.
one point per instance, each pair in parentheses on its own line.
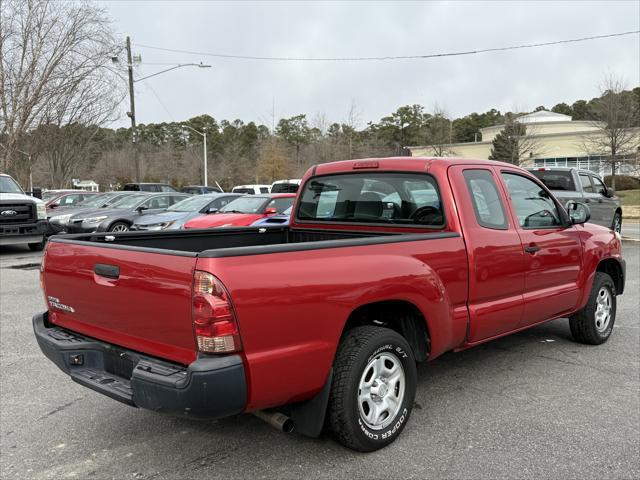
(400,57)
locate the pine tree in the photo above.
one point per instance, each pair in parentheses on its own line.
(506,146)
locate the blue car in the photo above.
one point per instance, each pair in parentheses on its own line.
(282,219)
(174,217)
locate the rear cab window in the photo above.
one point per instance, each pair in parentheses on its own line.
(556,179)
(585,181)
(376,198)
(487,203)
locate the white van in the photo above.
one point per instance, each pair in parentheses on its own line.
(251,189)
(286,186)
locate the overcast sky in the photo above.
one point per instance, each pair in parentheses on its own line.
(248,89)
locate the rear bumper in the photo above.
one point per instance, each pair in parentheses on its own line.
(23,233)
(210,387)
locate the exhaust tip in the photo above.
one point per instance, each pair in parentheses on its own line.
(277,420)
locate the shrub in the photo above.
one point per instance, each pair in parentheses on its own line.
(623,182)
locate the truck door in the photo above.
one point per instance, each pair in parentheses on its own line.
(606,205)
(495,255)
(553,252)
(591,198)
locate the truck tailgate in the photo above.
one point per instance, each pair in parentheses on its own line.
(134,299)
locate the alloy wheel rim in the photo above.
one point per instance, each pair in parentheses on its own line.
(120,228)
(603,309)
(381,391)
(617,226)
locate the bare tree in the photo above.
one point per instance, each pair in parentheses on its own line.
(54,68)
(517,142)
(439,133)
(616,135)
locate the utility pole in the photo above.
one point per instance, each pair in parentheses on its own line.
(132,111)
(204,136)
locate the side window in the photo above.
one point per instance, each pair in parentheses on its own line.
(586,183)
(166,188)
(175,199)
(532,205)
(264,189)
(486,199)
(599,186)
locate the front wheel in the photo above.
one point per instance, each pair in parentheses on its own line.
(373,389)
(38,246)
(594,323)
(119,227)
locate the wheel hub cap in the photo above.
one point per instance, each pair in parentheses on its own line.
(381,391)
(603,309)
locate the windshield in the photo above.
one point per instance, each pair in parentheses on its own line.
(246,205)
(49,195)
(9,185)
(93,201)
(192,204)
(129,201)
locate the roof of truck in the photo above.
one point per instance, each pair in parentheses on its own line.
(412,164)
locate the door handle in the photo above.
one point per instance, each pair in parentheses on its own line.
(532,249)
(108,271)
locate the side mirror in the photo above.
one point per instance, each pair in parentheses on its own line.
(578,212)
(609,192)
(54,205)
(141,209)
(213,210)
(271,211)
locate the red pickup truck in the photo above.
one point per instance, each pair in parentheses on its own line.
(387,262)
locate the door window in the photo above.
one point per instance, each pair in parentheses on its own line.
(586,183)
(532,204)
(486,199)
(157,202)
(599,186)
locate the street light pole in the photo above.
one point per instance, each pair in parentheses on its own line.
(132,111)
(204,136)
(132,105)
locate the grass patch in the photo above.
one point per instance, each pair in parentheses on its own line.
(629,197)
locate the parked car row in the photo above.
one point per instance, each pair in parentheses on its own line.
(145,211)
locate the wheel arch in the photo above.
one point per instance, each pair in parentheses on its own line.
(399,315)
(614,269)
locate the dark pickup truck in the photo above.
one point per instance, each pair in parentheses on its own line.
(386,262)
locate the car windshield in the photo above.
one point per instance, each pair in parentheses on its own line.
(93,201)
(246,205)
(9,185)
(191,204)
(49,195)
(129,201)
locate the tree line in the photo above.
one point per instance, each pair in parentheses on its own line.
(58,90)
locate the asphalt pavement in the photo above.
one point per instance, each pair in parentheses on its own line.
(531,405)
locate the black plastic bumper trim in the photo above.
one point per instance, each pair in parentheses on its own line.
(210,387)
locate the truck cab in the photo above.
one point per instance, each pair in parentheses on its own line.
(23,219)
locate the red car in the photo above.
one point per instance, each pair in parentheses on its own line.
(244,211)
(65,198)
(387,262)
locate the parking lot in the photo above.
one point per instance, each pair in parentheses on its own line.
(530,405)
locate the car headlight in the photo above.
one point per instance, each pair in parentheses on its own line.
(166,225)
(41,210)
(94,219)
(61,219)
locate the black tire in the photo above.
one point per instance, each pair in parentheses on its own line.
(584,323)
(37,247)
(616,225)
(117,225)
(357,348)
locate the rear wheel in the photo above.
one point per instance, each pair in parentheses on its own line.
(119,227)
(594,323)
(373,388)
(616,225)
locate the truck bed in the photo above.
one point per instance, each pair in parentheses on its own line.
(239,241)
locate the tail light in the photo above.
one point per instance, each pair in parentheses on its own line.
(214,322)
